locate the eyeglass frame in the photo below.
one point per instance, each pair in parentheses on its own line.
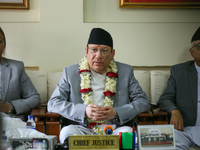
(197,46)
(102,51)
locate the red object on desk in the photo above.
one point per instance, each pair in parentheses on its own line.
(120,139)
(133,129)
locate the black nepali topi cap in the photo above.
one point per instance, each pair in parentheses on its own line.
(196,35)
(101,37)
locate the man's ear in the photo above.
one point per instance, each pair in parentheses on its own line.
(86,51)
(113,53)
(191,52)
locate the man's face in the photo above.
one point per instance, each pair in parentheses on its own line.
(195,52)
(99,57)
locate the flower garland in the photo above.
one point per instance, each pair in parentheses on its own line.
(86,90)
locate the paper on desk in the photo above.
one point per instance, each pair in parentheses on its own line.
(15,127)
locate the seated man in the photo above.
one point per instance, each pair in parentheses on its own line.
(181,98)
(98,90)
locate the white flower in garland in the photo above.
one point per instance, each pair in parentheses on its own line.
(98,130)
(87,98)
(86,90)
(85,83)
(84,64)
(111,84)
(108,102)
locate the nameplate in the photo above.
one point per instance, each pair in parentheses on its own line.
(93,142)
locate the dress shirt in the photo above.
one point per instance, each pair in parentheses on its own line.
(98,82)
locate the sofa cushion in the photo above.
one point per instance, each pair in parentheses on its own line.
(143,79)
(53,78)
(39,80)
(158,84)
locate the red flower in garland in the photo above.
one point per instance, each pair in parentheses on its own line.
(86,90)
(112,74)
(83,71)
(109,93)
(93,124)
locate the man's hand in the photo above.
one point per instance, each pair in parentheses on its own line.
(4,107)
(105,113)
(91,110)
(177,120)
(97,113)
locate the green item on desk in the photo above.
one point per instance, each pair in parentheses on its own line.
(127,140)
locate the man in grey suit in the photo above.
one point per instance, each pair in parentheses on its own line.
(97,91)
(181,98)
(18,96)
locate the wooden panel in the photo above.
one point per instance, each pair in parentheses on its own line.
(40,126)
(51,115)
(160,117)
(53,128)
(145,122)
(39,118)
(33,68)
(39,112)
(145,118)
(160,122)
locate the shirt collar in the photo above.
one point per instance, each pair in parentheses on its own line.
(197,68)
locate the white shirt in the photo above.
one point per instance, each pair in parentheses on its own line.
(98,82)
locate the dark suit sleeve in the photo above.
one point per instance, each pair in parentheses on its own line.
(168,98)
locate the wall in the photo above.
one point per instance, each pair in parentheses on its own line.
(55,35)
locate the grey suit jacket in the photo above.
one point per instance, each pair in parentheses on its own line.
(181,92)
(129,100)
(17,88)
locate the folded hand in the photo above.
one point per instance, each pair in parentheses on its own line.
(97,113)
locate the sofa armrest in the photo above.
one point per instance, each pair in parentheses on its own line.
(53,124)
(47,122)
(39,112)
(52,116)
(145,118)
(39,118)
(160,117)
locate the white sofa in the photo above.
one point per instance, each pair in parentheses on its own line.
(152,81)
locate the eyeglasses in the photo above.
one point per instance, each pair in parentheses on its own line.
(103,51)
(197,46)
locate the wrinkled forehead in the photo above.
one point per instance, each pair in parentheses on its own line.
(98,46)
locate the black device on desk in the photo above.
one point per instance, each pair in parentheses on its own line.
(64,146)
